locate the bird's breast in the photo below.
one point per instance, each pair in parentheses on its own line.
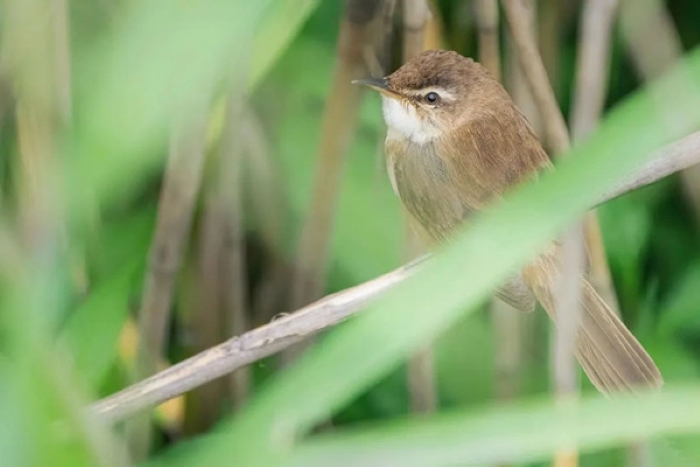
(425,183)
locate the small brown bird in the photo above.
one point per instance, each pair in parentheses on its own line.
(456,142)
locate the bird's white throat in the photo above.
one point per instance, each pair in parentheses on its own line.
(406,122)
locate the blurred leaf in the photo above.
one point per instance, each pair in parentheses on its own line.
(681,313)
(507,434)
(425,305)
(92,332)
(132,84)
(93,329)
(464,362)
(677,451)
(277,29)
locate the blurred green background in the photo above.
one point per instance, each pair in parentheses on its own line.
(96,100)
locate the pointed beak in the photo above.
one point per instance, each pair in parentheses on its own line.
(378,84)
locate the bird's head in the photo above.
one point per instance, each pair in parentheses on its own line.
(429,94)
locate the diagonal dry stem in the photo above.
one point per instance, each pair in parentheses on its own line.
(295,327)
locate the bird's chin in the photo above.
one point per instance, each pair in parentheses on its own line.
(404,121)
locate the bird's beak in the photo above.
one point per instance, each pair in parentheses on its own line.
(378,84)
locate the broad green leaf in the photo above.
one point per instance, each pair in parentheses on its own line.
(523,432)
(161,64)
(463,274)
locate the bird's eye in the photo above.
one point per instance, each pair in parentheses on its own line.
(432,97)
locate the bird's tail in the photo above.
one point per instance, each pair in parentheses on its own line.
(611,356)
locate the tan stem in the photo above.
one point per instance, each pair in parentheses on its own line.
(329,311)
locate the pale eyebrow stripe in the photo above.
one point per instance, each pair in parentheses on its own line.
(441,91)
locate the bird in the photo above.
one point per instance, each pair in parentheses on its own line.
(455,144)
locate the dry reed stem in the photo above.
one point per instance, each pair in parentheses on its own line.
(555,128)
(422,386)
(294,327)
(519,328)
(592,65)
(506,320)
(591,85)
(514,78)
(567,298)
(550,24)
(416,15)
(203,404)
(267,206)
(487,23)
(558,138)
(250,347)
(37,61)
(233,267)
(590,92)
(434,35)
(181,183)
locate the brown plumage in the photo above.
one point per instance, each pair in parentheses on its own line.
(456,142)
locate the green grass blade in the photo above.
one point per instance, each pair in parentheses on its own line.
(522,432)
(424,306)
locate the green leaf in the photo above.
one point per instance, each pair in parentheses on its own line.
(681,311)
(161,64)
(92,332)
(463,274)
(523,432)
(277,29)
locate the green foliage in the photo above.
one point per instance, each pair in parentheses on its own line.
(138,67)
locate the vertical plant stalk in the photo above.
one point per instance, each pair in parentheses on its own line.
(554,126)
(379,63)
(38,61)
(558,137)
(337,129)
(533,326)
(422,387)
(203,405)
(235,285)
(487,19)
(62,59)
(592,66)
(384,35)
(589,98)
(268,207)
(652,55)
(181,183)
(515,80)
(567,300)
(505,318)
(549,40)
(567,297)
(35,53)
(416,15)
